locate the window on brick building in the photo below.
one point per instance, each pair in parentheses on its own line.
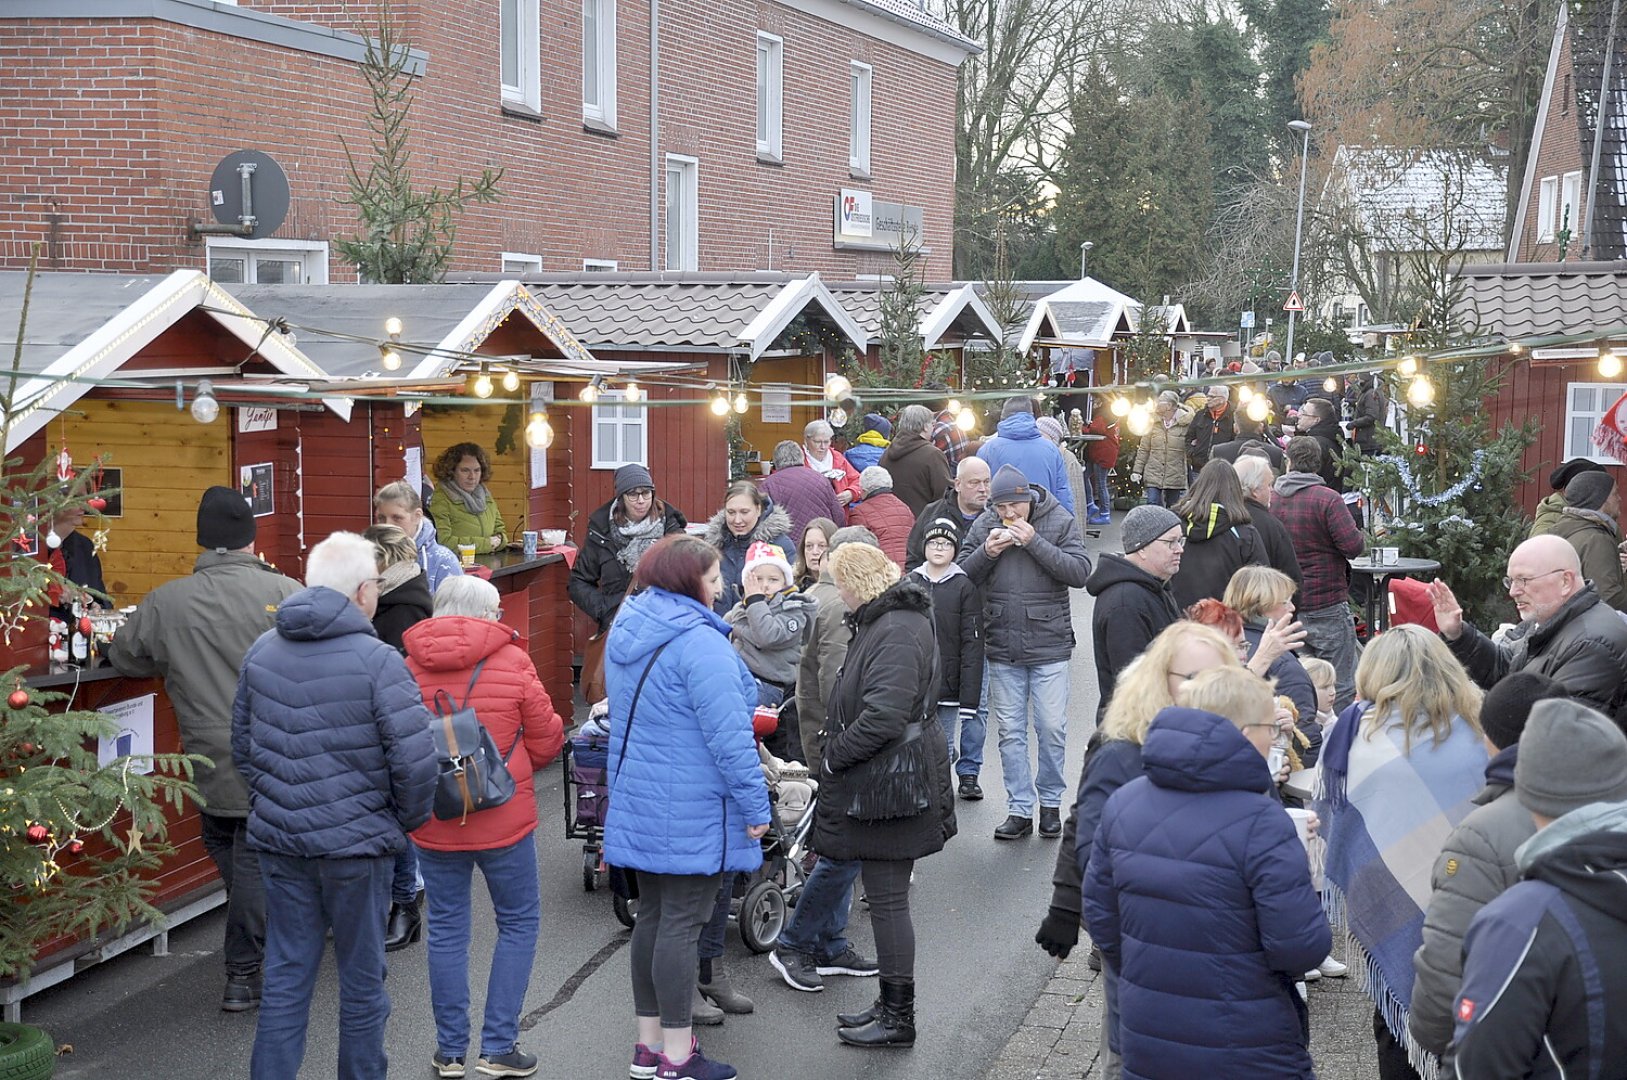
(1570,204)
(599,62)
(619,432)
(770,94)
(266,262)
(683,207)
(1585,406)
(858,123)
(1547,207)
(600,266)
(519,49)
(519,263)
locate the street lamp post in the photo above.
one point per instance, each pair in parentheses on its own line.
(1084,259)
(1299,225)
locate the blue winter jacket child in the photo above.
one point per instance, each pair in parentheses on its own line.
(1017,441)
(1198,893)
(685,778)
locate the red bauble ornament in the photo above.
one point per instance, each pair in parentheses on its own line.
(97,503)
(75,846)
(1420,449)
(38,834)
(85,625)
(19,698)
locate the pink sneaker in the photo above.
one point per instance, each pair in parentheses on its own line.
(647,1061)
(695,1067)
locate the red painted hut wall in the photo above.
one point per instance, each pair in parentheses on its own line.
(1538,391)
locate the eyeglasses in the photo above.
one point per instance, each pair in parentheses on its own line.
(1175,545)
(1525,582)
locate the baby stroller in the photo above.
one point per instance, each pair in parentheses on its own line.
(585,762)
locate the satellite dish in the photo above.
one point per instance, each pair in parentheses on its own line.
(249,194)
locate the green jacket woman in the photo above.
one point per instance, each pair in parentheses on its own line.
(462,506)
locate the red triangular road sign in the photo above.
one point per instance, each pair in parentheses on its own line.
(1294,302)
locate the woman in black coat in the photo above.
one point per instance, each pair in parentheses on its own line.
(1220,537)
(884,795)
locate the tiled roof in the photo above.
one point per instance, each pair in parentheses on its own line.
(1588,33)
(1526,299)
(703,315)
(1398,197)
(914,13)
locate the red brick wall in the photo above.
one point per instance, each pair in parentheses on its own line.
(1560,153)
(109,131)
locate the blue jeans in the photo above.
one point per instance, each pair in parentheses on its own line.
(406,881)
(304,897)
(511,879)
(1164,496)
(818,926)
(1104,493)
(1015,693)
(712,934)
(968,758)
(1331,636)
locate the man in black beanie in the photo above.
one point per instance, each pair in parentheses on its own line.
(1589,523)
(1549,509)
(1476,864)
(193,632)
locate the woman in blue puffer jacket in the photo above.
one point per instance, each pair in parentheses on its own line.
(687,798)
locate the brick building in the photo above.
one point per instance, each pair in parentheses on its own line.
(792,135)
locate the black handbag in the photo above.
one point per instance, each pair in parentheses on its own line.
(472,775)
(896,783)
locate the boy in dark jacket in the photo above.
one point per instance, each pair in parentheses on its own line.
(1198,892)
(1545,964)
(958,619)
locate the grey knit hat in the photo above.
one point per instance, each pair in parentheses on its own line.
(1589,490)
(1570,756)
(1144,524)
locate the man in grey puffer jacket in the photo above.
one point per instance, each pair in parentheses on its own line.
(1476,864)
(1025,552)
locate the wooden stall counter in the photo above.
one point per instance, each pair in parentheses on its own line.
(537,604)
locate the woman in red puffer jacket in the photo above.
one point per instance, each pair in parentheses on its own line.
(512,704)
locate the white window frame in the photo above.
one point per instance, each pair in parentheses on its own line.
(533,263)
(1582,422)
(527,92)
(312,254)
(1570,197)
(625,418)
(602,111)
(860,81)
(601,266)
(687,253)
(1547,208)
(770,95)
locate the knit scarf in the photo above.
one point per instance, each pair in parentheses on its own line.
(1389,813)
(820,465)
(639,537)
(473,501)
(398,575)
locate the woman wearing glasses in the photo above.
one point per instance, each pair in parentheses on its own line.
(1399,770)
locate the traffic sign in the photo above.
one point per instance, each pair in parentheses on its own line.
(1248,320)
(1294,302)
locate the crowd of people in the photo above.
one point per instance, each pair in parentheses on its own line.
(1258,786)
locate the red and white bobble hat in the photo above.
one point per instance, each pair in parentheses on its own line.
(765,554)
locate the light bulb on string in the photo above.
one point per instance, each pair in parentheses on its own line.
(1259,409)
(482,385)
(837,386)
(1120,407)
(720,404)
(1140,421)
(1609,364)
(954,407)
(1408,366)
(204,406)
(966,420)
(389,359)
(392,326)
(1245,394)
(1331,384)
(539,434)
(590,392)
(632,392)
(837,417)
(741,403)
(1421,391)
(511,381)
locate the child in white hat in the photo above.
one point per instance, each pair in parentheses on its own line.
(771,623)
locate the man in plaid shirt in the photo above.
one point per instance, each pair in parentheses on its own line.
(1325,537)
(947,437)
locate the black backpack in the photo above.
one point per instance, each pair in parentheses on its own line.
(472,776)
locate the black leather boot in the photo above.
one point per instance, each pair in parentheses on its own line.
(405,925)
(894,1024)
(859,1019)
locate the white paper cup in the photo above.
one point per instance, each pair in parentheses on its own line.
(1302,824)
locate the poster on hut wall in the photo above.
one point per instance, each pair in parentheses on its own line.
(133,735)
(255,483)
(109,487)
(776,403)
(413,461)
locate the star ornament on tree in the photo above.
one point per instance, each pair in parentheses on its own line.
(133,847)
(98,541)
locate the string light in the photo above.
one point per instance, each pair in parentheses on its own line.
(1245,394)
(954,407)
(837,387)
(966,420)
(1609,364)
(204,406)
(1259,409)
(1140,421)
(392,326)
(740,403)
(720,404)
(539,434)
(511,380)
(1331,384)
(837,417)
(590,392)
(631,392)
(1120,407)
(1408,366)
(482,386)
(1421,392)
(389,358)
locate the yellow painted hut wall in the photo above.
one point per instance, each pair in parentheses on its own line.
(510,478)
(799,371)
(163,479)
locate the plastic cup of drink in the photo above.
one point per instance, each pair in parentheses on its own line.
(528,543)
(1302,823)
(466,555)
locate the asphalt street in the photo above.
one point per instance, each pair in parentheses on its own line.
(978,972)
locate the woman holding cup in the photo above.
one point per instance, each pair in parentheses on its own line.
(464,510)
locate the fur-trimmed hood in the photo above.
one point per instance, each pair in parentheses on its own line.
(774,524)
(907,594)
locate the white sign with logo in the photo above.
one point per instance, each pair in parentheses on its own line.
(254,418)
(867,224)
(853,213)
(134,737)
(776,403)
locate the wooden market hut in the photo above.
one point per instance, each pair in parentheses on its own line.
(949,318)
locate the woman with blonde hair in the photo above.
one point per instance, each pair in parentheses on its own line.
(1263,596)
(1399,771)
(885,796)
(1113,759)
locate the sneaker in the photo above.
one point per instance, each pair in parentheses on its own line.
(850,962)
(645,1062)
(1312,975)
(1101,519)
(696,1067)
(447,1066)
(798,970)
(1331,968)
(1014,827)
(969,789)
(1050,822)
(514,1063)
(1304,995)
